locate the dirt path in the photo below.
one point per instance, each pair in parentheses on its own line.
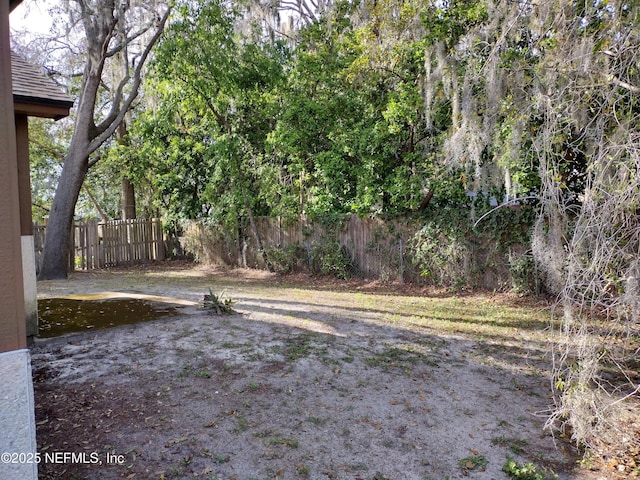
(305,382)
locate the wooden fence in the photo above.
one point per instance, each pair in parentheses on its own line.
(377,248)
(97,244)
(383,249)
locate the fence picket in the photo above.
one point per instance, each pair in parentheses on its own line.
(106,244)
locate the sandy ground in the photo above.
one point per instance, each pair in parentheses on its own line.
(296,385)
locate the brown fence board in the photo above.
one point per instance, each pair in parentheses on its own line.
(105,244)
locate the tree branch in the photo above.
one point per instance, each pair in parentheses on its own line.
(127,41)
(107,129)
(622,84)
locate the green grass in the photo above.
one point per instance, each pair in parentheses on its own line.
(516,445)
(525,471)
(475,462)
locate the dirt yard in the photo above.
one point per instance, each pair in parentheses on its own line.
(310,380)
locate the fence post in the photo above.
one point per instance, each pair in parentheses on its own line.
(401,261)
(158,237)
(71,259)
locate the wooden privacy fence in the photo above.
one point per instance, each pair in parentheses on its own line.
(97,244)
(377,248)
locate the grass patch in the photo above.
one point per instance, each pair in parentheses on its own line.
(391,358)
(526,471)
(516,445)
(283,441)
(242,424)
(476,462)
(299,347)
(319,422)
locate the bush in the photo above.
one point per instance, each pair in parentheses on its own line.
(330,258)
(289,259)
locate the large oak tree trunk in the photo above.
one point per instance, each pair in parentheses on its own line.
(55,254)
(128,199)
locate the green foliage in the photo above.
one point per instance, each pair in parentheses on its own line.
(527,471)
(440,250)
(328,257)
(452,250)
(218,304)
(289,259)
(474,462)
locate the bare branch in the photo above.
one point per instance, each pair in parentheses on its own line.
(108,128)
(622,84)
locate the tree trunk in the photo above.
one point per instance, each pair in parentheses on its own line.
(128,199)
(55,254)
(127,190)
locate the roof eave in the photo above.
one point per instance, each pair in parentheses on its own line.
(13,4)
(41,107)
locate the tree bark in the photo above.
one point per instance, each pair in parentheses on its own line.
(128,199)
(55,254)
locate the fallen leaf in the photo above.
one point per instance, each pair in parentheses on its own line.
(469,465)
(173,441)
(475,452)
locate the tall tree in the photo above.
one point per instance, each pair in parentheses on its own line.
(107,29)
(212,89)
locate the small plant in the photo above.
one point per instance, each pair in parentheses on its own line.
(287,442)
(242,424)
(303,470)
(317,421)
(527,471)
(476,462)
(516,445)
(288,259)
(218,304)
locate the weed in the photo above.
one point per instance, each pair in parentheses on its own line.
(299,347)
(220,459)
(188,370)
(391,358)
(317,421)
(287,442)
(516,445)
(242,424)
(527,471)
(303,470)
(478,462)
(218,304)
